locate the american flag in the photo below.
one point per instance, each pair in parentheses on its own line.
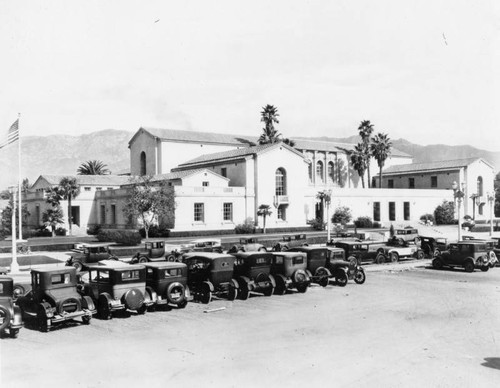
(11,136)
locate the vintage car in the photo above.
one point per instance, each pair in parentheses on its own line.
(291,241)
(289,271)
(11,318)
(433,246)
(210,273)
(317,263)
(248,244)
(118,286)
(199,245)
(467,254)
(168,283)
(343,270)
(394,253)
(154,250)
(54,298)
(402,236)
(359,252)
(252,270)
(90,253)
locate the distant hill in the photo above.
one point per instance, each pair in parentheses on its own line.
(62,154)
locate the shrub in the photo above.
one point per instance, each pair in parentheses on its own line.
(427,217)
(317,224)
(342,215)
(363,222)
(377,224)
(247,226)
(93,230)
(120,236)
(444,213)
(156,231)
(60,231)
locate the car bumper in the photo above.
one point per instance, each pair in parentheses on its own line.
(67,316)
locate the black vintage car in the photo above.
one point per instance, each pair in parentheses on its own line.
(116,286)
(359,252)
(433,246)
(343,270)
(54,298)
(253,272)
(317,263)
(291,241)
(168,283)
(11,319)
(88,254)
(210,273)
(470,255)
(154,250)
(289,271)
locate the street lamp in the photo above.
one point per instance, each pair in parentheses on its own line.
(491,200)
(14,267)
(458,195)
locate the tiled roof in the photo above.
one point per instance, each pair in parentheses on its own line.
(89,180)
(441,165)
(236,153)
(243,140)
(201,137)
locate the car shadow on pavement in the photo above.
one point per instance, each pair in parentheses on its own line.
(492,362)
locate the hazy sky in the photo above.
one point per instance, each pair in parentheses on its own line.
(427,71)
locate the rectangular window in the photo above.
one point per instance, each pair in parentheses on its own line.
(113,214)
(434,181)
(227,211)
(204,184)
(60,278)
(282,212)
(103,214)
(392,211)
(390,183)
(98,188)
(411,183)
(199,212)
(406,210)
(376,211)
(131,275)
(223,172)
(86,188)
(109,188)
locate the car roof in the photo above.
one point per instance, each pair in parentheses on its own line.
(54,269)
(113,264)
(206,255)
(166,264)
(205,240)
(290,254)
(248,254)
(92,245)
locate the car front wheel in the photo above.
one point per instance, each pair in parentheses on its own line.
(469,266)
(341,279)
(360,277)
(437,263)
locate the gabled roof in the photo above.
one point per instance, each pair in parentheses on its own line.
(184,174)
(433,166)
(87,180)
(197,137)
(236,154)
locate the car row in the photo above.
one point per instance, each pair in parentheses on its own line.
(62,294)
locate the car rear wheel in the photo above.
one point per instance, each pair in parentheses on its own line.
(302,288)
(394,257)
(170,258)
(360,276)
(420,254)
(380,258)
(86,319)
(182,304)
(5,317)
(322,275)
(77,265)
(268,291)
(42,321)
(485,269)
(232,292)
(142,310)
(206,294)
(103,310)
(469,266)
(437,263)
(13,333)
(280,288)
(142,260)
(244,292)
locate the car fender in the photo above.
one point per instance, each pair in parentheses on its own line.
(88,303)
(152,294)
(235,284)
(18,316)
(272,280)
(300,276)
(210,286)
(105,298)
(47,309)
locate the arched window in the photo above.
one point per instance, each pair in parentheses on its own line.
(331,172)
(143,163)
(480,186)
(319,171)
(310,171)
(280,181)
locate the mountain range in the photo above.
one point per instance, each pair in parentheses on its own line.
(62,154)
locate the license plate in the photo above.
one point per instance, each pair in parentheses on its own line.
(176,295)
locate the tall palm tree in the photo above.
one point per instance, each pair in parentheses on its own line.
(365,132)
(92,167)
(358,161)
(264,211)
(269,116)
(69,189)
(381,149)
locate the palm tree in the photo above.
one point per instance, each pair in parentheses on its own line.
(264,211)
(69,189)
(358,161)
(381,149)
(52,217)
(269,116)
(365,131)
(92,167)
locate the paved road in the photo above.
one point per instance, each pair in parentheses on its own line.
(402,328)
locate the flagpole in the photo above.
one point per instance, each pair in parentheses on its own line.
(19,179)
